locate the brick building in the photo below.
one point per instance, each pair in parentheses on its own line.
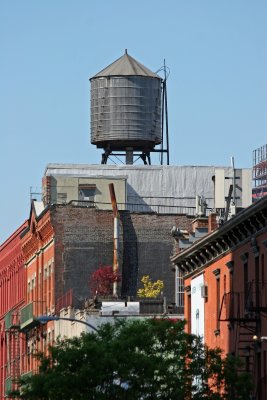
(37,243)
(57,250)
(12,298)
(226,289)
(71,233)
(78,239)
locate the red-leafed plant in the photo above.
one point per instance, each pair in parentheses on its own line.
(102,279)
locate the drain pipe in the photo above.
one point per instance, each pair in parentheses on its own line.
(115,236)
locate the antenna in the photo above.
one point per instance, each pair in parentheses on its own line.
(234,180)
(228,203)
(164,116)
(33,192)
(201,206)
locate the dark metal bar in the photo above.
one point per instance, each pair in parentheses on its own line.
(166,116)
(43,319)
(162,121)
(116,236)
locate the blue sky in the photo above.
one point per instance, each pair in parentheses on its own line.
(217,88)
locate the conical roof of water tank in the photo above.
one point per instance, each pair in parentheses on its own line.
(126,66)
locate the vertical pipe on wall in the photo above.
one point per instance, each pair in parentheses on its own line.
(115,236)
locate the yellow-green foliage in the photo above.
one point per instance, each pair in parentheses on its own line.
(151,289)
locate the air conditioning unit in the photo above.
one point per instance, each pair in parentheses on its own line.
(204,291)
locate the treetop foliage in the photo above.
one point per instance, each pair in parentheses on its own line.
(151,289)
(102,280)
(136,359)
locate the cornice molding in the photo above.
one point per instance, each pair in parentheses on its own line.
(227,238)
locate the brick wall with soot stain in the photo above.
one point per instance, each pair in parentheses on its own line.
(84,241)
(147,247)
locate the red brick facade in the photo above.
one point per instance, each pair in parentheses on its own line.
(37,243)
(57,251)
(231,264)
(12,298)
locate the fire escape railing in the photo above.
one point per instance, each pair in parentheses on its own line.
(236,306)
(256,299)
(231,306)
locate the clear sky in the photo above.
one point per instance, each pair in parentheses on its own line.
(217,88)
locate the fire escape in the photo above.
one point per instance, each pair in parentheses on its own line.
(12,328)
(18,326)
(24,334)
(243,311)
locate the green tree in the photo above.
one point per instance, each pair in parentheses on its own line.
(144,359)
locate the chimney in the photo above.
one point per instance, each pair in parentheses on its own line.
(199,222)
(46,190)
(212,222)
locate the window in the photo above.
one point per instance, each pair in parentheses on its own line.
(244,258)
(231,281)
(257,270)
(218,289)
(262,270)
(189,313)
(264,371)
(62,198)
(246,280)
(217,272)
(224,284)
(87,192)
(179,291)
(49,286)
(257,273)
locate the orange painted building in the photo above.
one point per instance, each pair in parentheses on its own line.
(12,298)
(225,280)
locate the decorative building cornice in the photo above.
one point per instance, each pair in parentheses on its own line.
(220,247)
(189,265)
(249,222)
(244,229)
(214,249)
(38,234)
(226,242)
(209,253)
